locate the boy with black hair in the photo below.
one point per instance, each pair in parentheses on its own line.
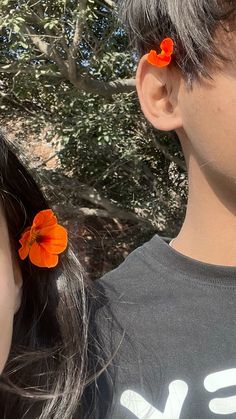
(170,316)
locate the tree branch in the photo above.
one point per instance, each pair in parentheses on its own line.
(29,107)
(72,53)
(91,195)
(15,68)
(33,18)
(74,211)
(5,96)
(105,89)
(111,4)
(47,49)
(167,155)
(89,85)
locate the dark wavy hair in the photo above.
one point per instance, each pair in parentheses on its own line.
(192,24)
(47,369)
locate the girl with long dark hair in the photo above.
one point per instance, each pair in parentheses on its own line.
(43,305)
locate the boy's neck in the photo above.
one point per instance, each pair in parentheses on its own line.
(208,233)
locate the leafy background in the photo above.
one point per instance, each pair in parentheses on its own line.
(68,104)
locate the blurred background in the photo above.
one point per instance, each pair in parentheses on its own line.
(68,105)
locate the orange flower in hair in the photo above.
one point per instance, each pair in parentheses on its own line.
(164,58)
(44,240)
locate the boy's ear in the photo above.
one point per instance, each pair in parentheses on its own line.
(158,95)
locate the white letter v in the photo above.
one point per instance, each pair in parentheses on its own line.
(143,410)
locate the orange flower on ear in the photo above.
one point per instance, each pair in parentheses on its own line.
(44,240)
(164,58)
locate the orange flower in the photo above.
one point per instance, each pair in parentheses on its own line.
(44,240)
(164,58)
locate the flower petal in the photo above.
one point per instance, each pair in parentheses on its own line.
(54,239)
(167,46)
(41,258)
(24,241)
(44,218)
(159,60)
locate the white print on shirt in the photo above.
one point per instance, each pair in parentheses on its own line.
(142,409)
(178,391)
(216,381)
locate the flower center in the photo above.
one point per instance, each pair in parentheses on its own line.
(34,236)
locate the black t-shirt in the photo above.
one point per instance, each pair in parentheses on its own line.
(168,325)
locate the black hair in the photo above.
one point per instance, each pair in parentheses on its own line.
(46,372)
(192,24)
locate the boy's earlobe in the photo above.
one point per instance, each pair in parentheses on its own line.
(157,96)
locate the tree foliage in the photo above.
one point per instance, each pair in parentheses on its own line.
(67,65)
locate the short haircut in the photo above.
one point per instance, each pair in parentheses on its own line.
(191,24)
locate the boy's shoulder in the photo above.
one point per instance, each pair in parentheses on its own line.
(132,276)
